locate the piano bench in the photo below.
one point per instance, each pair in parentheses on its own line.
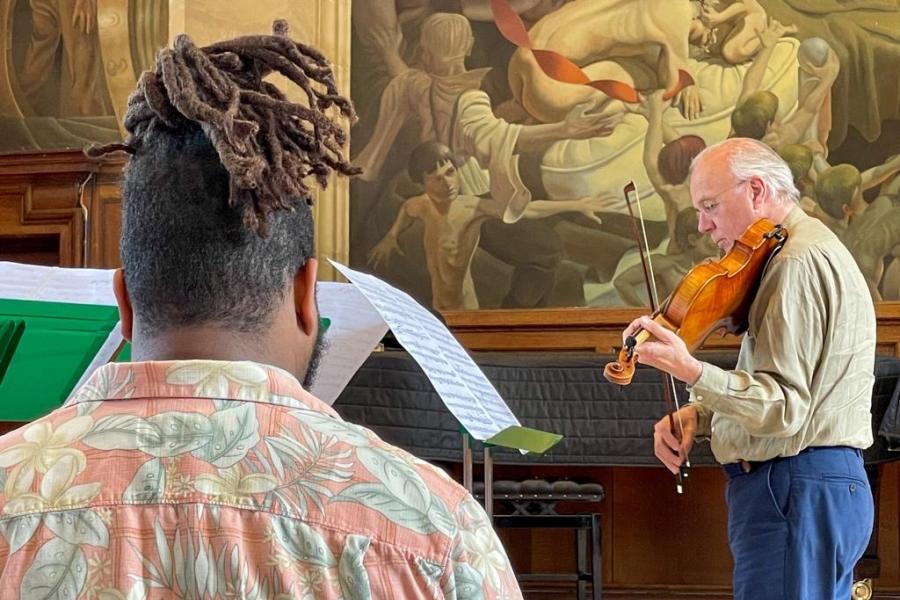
(534,507)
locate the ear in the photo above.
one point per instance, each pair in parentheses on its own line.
(126,315)
(845,208)
(305,297)
(758,191)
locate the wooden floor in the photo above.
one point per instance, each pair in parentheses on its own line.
(625,594)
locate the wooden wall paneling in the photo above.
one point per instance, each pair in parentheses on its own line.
(48,212)
(889,528)
(659,545)
(662,538)
(105,226)
(43,201)
(105,203)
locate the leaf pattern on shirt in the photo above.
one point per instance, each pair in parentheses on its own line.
(58,572)
(307,464)
(353,577)
(399,494)
(194,568)
(234,431)
(148,483)
(166,490)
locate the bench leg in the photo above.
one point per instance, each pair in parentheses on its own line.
(596,555)
(581,550)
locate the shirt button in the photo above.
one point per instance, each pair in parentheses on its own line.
(699,398)
(852,487)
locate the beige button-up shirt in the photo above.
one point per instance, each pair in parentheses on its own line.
(804,374)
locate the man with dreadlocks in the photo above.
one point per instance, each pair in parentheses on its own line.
(205,469)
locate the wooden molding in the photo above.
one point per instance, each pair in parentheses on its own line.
(596,329)
(27,164)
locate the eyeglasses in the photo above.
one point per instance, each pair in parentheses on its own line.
(710,203)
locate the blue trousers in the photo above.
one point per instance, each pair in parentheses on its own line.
(797,526)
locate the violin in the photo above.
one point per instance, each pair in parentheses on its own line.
(714,295)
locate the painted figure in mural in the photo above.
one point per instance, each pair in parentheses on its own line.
(503,160)
(494,145)
(590,31)
(755,113)
(667,159)
(427,95)
(839,193)
(379,24)
(729,29)
(870,231)
(799,159)
(453,225)
(71,24)
(691,247)
(531,11)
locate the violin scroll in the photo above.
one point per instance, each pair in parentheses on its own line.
(621,371)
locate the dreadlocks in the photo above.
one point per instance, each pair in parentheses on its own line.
(267,144)
(216,214)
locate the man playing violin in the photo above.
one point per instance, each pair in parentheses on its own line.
(790,421)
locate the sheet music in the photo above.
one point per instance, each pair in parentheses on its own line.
(56,284)
(59,284)
(355,330)
(457,379)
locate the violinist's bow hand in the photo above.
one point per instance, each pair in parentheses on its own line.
(673,447)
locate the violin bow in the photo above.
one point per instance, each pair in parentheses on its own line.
(669,391)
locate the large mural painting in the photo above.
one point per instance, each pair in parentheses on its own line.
(496,137)
(69,67)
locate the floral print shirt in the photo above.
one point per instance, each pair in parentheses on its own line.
(206,480)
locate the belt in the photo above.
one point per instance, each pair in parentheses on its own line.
(742,467)
(745,467)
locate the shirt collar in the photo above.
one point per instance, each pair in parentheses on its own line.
(209,379)
(795,216)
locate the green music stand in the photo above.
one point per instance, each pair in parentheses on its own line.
(45,347)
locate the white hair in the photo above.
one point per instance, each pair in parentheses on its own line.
(748,158)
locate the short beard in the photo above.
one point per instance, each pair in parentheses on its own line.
(315,360)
